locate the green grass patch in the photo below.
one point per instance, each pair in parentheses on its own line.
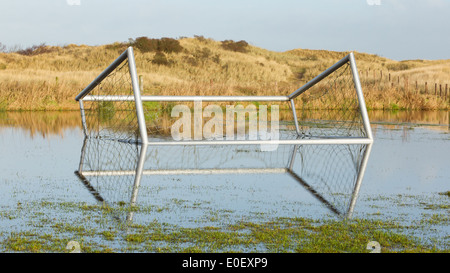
(447,193)
(97,229)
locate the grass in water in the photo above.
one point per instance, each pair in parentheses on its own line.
(292,235)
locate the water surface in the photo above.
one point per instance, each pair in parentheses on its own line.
(406,174)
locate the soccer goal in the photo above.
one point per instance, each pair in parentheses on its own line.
(329,109)
(322,141)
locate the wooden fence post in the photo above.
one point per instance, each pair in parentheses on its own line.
(141,83)
(446,86)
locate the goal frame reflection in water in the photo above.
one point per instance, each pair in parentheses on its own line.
(113,170)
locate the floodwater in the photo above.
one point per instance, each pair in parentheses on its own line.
(404,180)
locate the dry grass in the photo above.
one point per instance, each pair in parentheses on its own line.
(51,80)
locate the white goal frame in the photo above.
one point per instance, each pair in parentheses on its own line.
(138,99)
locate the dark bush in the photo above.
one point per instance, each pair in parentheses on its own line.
(145,44)
(201,56)
(160,59)
(240,46)
(191,60)
(35,50)
(167,45)
(203,53)
(206,54)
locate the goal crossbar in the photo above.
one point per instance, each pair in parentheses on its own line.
(188,98)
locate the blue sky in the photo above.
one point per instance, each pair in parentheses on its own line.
(396,29)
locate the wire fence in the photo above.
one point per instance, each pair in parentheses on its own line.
(382,80)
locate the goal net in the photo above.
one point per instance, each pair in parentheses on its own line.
(329,109)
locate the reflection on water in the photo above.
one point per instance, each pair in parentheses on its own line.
(113,171)
(42,123)
(46,123)
(411,117)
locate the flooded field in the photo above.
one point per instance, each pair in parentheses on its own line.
(201,199)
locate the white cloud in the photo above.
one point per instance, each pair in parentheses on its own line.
(373,2)
(73,2)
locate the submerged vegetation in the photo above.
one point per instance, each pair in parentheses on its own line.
(96,233)
(46,77)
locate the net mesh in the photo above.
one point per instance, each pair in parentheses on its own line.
(329,109)
(112,119)
(328,172)
(108,169)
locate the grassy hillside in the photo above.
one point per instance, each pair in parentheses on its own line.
(48,78)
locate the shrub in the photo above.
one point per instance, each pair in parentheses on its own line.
(201,56)
(145,44)
(35,50)
(240,46)
(160,59)
(191,60)
(167,45)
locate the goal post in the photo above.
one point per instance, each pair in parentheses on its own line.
(350,60)
(117,107)
(135,96)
